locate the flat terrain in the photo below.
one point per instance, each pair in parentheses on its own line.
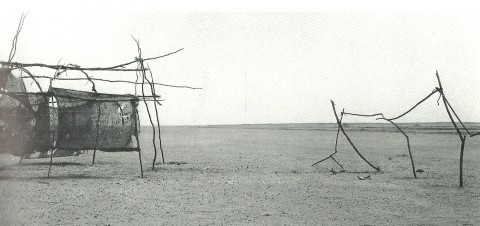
(257,175)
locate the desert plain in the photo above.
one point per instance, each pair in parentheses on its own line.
(253,175)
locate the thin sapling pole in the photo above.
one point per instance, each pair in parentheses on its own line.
(460,135)
(152,87)
(408,145)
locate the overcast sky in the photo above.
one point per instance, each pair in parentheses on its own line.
(268,67)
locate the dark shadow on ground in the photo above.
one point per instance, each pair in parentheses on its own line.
(48,163)
(43,179)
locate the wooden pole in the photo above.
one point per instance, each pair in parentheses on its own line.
(349,140)
(152,87)
(109,80)
(408,145)
(460,135)
(77,68)
(462,148)
(144,77)
(98,132)
(137,123)
(51,161)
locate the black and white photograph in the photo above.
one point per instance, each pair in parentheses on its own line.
(248,113)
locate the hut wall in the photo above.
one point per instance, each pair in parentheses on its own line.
(106,125)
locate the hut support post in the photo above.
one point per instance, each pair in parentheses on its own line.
(140,158)
(51,162)
(94,152)
(144,77)
(151,122)
(152,87)
(51,153)
(460,135)
(137,123)
(98,132)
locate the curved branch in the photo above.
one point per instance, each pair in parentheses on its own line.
(13,50)
(30,75)
(90,80)
(424,99)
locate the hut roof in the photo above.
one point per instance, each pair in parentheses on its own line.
(82,95)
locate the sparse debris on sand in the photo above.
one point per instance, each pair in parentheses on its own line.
(337,172)
(364,178)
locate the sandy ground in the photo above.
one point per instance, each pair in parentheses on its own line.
(238,176)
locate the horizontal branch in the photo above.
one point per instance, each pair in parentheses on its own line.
(49,94)
(63,67)
(362,115)
(114,81)
(77,68)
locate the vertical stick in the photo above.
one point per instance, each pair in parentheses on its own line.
(408,145)
(51,161)
(98,133)
(140,157)
(461,161)
(350,141)
(338,131)
(51,154)
(98,118)
(460,135)
(137,123)
(152,87)
(151,122)
(144,77)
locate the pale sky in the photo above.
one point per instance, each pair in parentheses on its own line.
(279,67)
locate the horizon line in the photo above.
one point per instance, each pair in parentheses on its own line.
(286,123)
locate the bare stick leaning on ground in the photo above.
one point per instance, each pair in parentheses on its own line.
(349,140)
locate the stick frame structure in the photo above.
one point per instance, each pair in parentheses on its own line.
(452,115)
(60,69)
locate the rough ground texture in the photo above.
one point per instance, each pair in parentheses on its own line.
(250,175)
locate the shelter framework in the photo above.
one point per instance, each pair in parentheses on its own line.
(460,128)
(66,119)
